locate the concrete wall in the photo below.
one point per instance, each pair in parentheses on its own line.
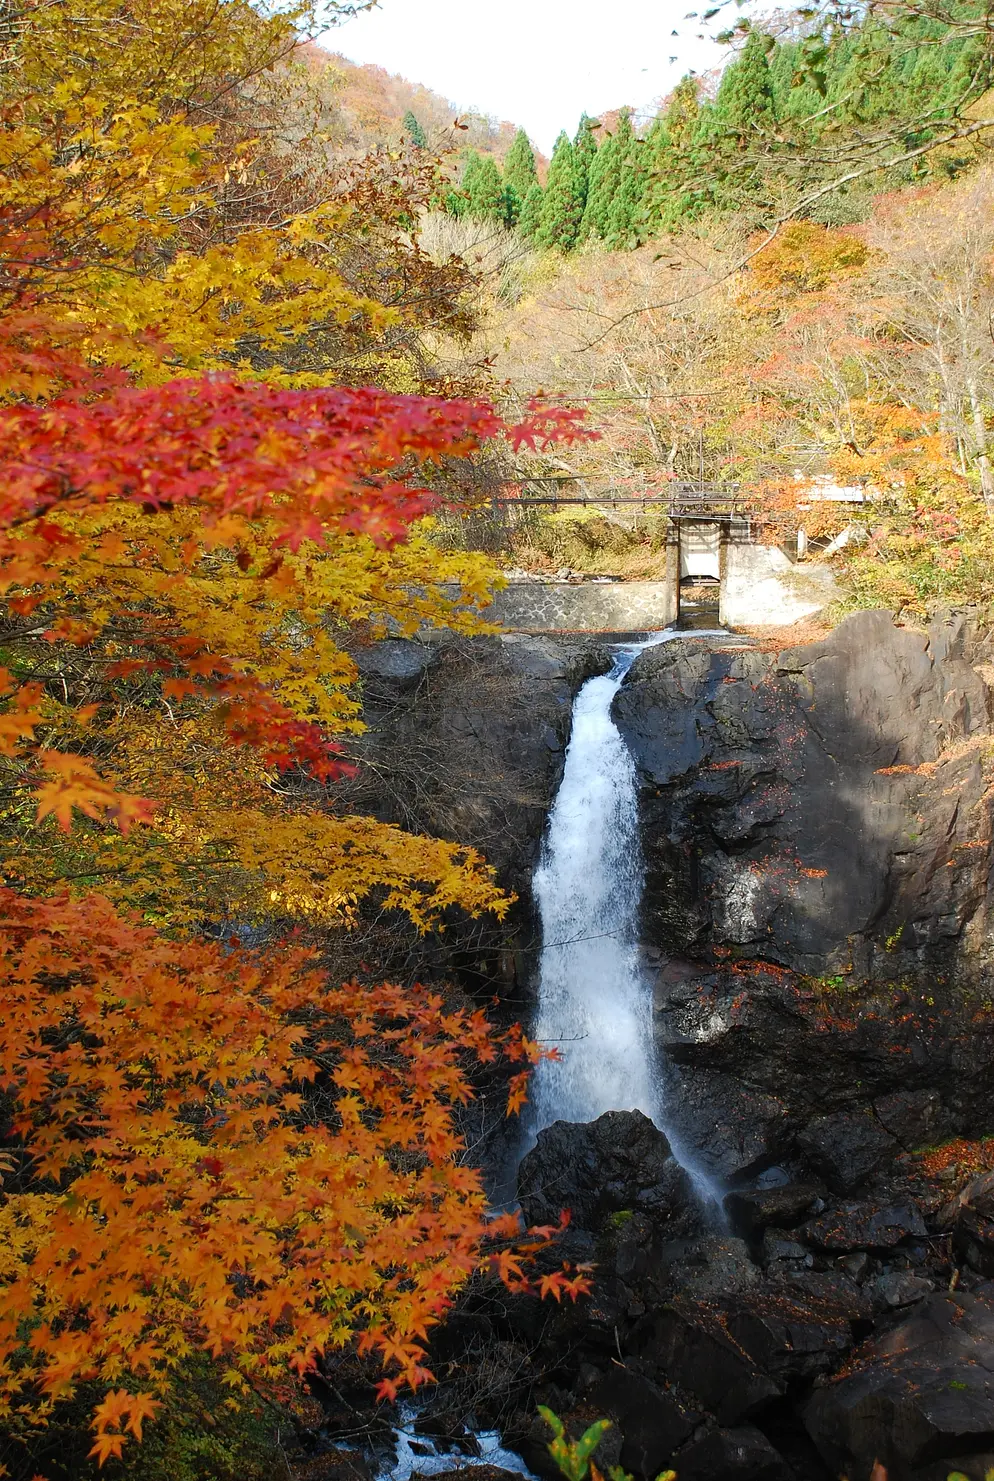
(593,606)
(760,585)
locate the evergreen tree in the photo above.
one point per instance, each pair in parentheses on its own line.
(745,104)
(625,226)
(605,177)
(670,161)
(584,153)
(519,167)
(486,192)
(531,212)
(414,131)
(562,208)
(459,201)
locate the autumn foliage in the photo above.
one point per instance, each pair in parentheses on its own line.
(211,1146)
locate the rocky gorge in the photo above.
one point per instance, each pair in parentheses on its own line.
(816,829)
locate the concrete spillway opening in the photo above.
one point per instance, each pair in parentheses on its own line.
(700,553)
(700,569)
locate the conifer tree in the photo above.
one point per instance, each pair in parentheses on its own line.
(562,208)
(745,104)
(625,227)
(584,153)
(605,177)
(486,192)
(669,161)
(414,131)
(531,212)
(458,202)
(519,167)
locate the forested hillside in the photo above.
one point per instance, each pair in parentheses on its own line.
(796,122)
(368,107)
(785,281)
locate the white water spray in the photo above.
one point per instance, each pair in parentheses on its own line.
(594,1006)
(595,999)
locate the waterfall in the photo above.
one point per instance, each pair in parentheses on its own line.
(594,1001)
(595,998)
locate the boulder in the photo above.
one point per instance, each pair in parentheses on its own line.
(832,1291)
(652,1420)
(787,1336)
(716,1266)
(690,1345)
(781,1251)
(917,1399)
(751,1210)
(620,1163)
(846,1150)
(743,1454)
(864,1226)
(970,1216)
(912,1117)
(900,1288)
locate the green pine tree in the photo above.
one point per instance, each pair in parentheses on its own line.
(625,224)
(531,212)
(670,162)
(414,131)
(605,177)
(458,201)
(584,154)
(486,192)
(745,103)
(562,208)
(519,167)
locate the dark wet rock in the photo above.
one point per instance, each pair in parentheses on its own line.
(914,1118)
(864,1226)
(404,660)
(900,1288)
(690,1345)
(785,812)
(466,738)
(335,1465)
(619,1164)
(833,1291)
(855,1265)
(736,1126)
(780,1053)
(752,1210)
(716,1266)
(743,1454)
(469,1473)
(652,1420)
(918,1399)
(787,1335)
(970,1217)
(846,1150)
(779,1248)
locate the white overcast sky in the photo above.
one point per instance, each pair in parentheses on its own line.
(539,63)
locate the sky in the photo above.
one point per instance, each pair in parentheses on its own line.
(538,63)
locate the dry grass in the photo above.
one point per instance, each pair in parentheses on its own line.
(776,639)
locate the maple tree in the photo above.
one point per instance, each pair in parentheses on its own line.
(215,1147)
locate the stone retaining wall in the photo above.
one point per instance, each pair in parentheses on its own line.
(591,606)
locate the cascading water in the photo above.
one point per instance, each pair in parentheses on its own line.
(594,1004)
(595,999)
